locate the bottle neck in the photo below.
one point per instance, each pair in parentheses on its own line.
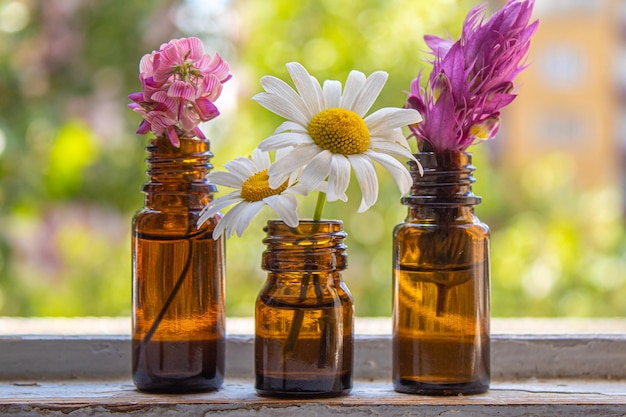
(313,247)
(444,192)
(177,176)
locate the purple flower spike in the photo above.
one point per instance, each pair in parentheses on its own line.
(472,78)
(179,84)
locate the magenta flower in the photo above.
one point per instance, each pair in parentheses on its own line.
(179,84)
(472,78)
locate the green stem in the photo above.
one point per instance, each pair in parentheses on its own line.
(298,314)
(319,207)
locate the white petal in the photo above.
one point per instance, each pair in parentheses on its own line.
(396,136)
(245,215)
(260,159)
(288,201)
(285,207)
(399,172)
(391,148)
(332,93)
(204,216)
(300,189)
(317,170)
(284,139)
(369,93)
(206,213)
(285,166)
(220,227)
(339,177)
(351,90)
(368,181)
(227,179)
(289,106)
(308,87)
(228,223)
(323,187)
(224,201)
(391,118)
(216,206)
(290,126)
(282,152)
(242,167)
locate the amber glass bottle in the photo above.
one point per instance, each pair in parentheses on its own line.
(441,283)
(178,275)
(304,313)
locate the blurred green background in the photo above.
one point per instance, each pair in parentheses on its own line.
(71,165)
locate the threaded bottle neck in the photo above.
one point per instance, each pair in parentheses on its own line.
(311,247)
(447,180)
(177,176)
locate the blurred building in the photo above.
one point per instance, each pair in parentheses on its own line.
(572,96)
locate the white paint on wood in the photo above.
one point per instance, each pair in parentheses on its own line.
(513,357)
(533,375)
(237,399)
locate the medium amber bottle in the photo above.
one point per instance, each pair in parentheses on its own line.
(441,340)
(304,313)
(178,275)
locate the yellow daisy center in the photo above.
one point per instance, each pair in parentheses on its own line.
(257,187)
(340,131)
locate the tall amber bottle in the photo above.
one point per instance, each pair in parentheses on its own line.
(304,313)
(441,340)
(178,275)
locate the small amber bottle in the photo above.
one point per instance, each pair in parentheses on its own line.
(441,274)
(347,308)
(178,275)
(304,313)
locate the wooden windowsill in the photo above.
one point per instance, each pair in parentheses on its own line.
(536,373)
(237,398)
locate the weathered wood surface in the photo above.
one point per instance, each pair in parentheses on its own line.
(237,398)
(533,375)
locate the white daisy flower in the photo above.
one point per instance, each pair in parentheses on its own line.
(331,136)
(249,176)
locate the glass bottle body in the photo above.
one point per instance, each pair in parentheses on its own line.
(304,314)
(441,338)
(178,276)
